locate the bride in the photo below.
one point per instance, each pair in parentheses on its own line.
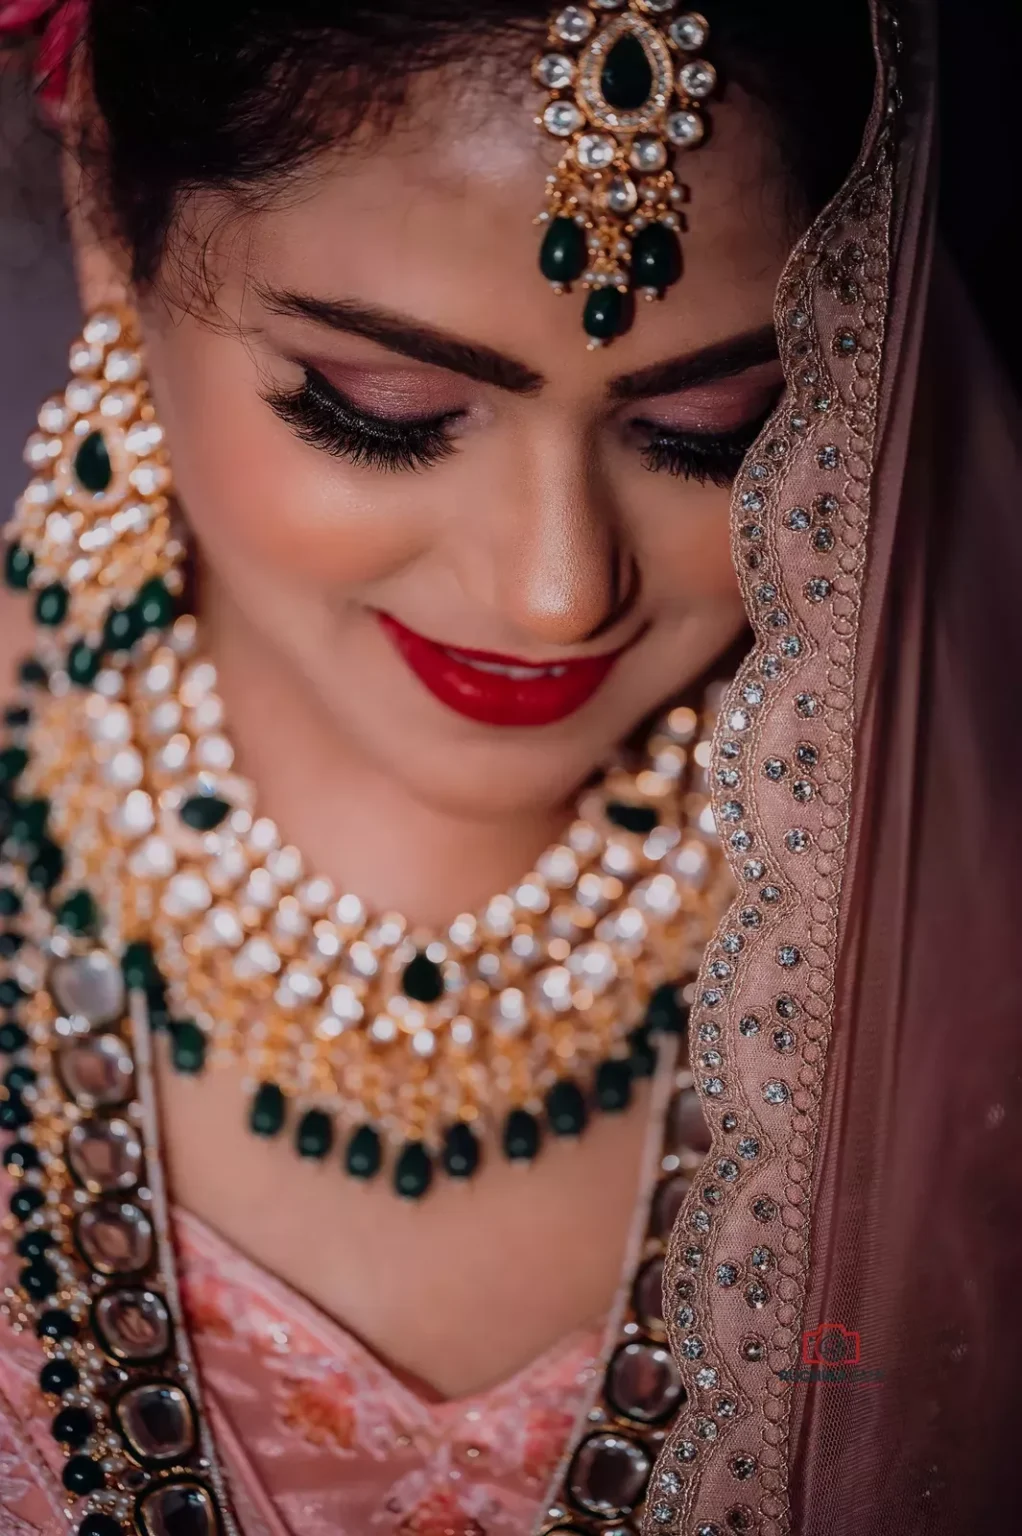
(500,804)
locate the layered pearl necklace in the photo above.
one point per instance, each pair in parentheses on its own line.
(518,1018)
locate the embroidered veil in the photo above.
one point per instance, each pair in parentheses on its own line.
(892,1130)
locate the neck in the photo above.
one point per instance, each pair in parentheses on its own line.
(352,821)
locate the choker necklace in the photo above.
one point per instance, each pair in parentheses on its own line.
(516,1019)
(139,863)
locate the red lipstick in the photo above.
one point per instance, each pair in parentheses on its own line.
(499,690)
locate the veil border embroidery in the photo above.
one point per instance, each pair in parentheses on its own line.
(765,995)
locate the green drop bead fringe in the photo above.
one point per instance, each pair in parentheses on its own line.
(187,1046)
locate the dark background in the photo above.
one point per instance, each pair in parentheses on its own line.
(981,216)
(981,153)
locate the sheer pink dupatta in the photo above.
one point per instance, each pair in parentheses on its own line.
(917,1227)
(867,1158)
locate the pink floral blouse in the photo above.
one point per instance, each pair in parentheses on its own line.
(318,1437)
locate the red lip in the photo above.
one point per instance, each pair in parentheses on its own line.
(491,698)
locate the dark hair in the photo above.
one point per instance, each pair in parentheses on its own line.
(236,97)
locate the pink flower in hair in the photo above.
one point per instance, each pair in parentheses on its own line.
(64,26)
(17,15)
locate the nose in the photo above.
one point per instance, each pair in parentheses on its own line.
(562,575)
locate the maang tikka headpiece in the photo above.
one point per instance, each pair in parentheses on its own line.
(625,86)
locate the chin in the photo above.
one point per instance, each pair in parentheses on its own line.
(493,774)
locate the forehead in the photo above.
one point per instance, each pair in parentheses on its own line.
(435,220)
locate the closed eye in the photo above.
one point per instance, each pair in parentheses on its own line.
(706,457)
(322,416)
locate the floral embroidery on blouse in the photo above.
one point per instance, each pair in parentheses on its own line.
(318,1437)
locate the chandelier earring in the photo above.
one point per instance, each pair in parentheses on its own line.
(92,535)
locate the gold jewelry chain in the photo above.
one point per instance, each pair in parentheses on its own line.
(358,1014)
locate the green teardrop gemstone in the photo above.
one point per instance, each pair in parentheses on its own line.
(58,1376)
(158,1006)
(83,664)
(627,78)
(18,567)
(566,1109)
(154,605)
(413,1172)
(138,966)
(34,1245)
(79,914)
(266,1117)
(23,1157)
(98,1524)
(72,1427)
(28,826)
(364,1154)
(92,466)
(32,673)
(40,1280)
(521,1136)
(123,627)
(47,867)
(82,1475)
(51,605)
(562,256)
(664,1014)
(461,1151)
(11,992)
(315,1134)
(14,1113)
(13,762)
(642,1053)
(632,818)
(187,1046)
(23,1202)
(613,1086)
(422,980)
(604,314)
(12,1038)
(19,1077)
(656,257)
(204,812)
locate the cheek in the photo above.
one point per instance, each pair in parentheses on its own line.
(256,494)
(685,542)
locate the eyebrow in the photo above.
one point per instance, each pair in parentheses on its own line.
(408,337)
(720,360)
(399,333)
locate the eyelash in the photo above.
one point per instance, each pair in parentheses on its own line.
(704,457)
(321,416)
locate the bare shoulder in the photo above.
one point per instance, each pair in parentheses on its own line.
(16,635)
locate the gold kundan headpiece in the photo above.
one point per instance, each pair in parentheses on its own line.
(625,85)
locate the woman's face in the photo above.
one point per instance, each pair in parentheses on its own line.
(482,552)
